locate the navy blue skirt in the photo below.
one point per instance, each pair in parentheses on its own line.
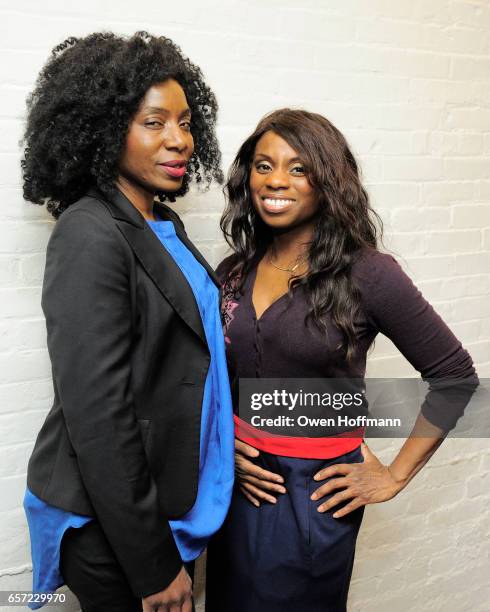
(286,556)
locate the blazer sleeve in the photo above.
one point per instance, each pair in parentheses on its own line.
(86,301)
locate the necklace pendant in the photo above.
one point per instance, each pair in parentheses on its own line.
(283,269)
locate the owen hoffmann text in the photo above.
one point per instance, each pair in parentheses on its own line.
(338,421)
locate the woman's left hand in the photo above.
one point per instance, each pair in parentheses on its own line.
(365,483)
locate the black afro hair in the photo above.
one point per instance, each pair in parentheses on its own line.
(80,110)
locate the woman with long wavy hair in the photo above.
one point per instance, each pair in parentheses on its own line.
(304,295)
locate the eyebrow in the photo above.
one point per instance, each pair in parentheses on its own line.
(159,109)
(292,160)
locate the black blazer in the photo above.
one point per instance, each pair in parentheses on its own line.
(129,360)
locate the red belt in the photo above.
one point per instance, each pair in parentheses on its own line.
(303,448)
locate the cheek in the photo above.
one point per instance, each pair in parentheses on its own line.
(133,151)
(190,144)
(313,203)
(309,196)
(255,182)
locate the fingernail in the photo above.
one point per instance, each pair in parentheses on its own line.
(281,489)
(335,515)
(313,497)
(279,479)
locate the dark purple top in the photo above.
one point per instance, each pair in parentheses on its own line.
(280,344)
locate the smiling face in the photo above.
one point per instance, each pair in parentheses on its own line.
(159,141)
(280,190)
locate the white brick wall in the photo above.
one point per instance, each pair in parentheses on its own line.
(408,83)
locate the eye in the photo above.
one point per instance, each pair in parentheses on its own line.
(298,170)
(262,167)
(153,124)
(186,125)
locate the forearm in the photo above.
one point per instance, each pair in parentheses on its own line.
(416,451)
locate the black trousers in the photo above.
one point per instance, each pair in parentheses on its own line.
(93,574)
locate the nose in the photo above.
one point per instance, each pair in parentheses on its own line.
(278,179)
(175,139)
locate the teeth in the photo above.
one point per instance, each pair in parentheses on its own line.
(277,202)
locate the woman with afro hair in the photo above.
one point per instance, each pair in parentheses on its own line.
(132,470)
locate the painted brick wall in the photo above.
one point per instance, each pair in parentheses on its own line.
(408,84)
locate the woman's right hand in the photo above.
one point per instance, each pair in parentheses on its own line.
(255,483)
(177,597)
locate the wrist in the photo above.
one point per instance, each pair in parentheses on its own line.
(399,480)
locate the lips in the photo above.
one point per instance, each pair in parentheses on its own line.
(273,204)
(175,168)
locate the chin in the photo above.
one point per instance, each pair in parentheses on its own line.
(277,221)
(171,188)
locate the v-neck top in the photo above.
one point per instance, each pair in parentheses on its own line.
(278,299)
(283,343)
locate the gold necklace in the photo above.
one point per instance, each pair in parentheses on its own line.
(285,269)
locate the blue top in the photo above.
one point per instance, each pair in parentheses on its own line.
(48,524)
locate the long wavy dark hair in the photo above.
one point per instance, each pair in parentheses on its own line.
(80,110)
(345,222)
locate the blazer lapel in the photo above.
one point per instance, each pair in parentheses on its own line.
(200,258)
(166,274)
(156,261)
(165,213)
